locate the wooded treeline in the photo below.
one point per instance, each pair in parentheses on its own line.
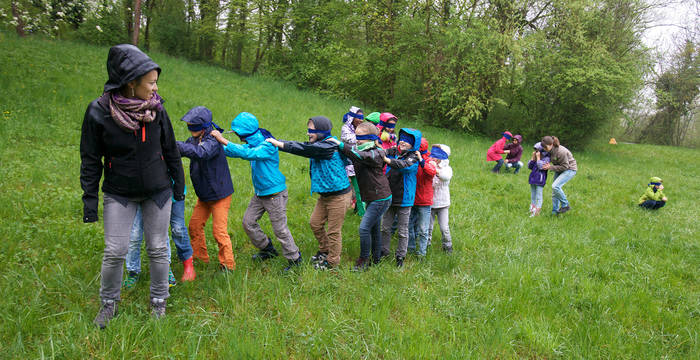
(535,67)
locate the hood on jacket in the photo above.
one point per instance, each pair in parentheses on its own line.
(424,147)
(373,117)
(246,125)
(654,181)
(352,114)
(323,127)
(415,134)
(202,116)
(126,63)
(507,135)
(519,138)
(446,150)
(385,117)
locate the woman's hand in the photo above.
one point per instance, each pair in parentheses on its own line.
(546,166)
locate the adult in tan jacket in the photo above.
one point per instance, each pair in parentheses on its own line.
(564,167)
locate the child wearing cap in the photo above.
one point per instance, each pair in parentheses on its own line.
(351,120)
(494,152)
(653,197)
(419,221)
(374,118)
(368,159)
(330,181)
(441,195)
(270,188)
(212,183)
(403,162)
(538,178)
(387,124)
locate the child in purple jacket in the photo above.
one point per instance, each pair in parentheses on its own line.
(538,178)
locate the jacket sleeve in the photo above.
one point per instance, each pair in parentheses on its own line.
(645,196)
(318,150)
(401,164)
(91,153)
(531,164)
(172,157)
(445,173)
(263,151)
(516,152)
(347,135)
(429,168)
(371,158)
(205,150)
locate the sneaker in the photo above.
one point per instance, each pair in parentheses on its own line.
(319,257)
(447,249)
(158,308)
(267,253)
(293,263)
(323,265)
(564,209)
(171,279)
(131,278)
(399,261)
(361,264)
(108,310)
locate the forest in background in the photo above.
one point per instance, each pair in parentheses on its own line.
(575,69)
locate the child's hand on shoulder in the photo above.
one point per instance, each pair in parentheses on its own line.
(275,142)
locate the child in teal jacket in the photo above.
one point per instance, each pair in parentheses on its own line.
(270,188)
(653,198)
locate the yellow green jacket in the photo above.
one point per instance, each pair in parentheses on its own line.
(652,192)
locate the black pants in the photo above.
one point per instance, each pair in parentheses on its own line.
(652,204)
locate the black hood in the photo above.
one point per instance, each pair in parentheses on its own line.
(126,63)
(322,123)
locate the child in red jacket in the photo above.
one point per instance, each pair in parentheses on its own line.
(495,151)
(419,222)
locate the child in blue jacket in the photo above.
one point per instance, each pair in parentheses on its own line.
(402,162)
(329,179)
(270,188)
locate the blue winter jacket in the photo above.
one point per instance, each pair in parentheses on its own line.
(402,170)
(209,171)
(263,156)
(326,166)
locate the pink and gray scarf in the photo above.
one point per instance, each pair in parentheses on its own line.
(128,112)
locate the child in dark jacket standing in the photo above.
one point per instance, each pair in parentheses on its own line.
(538,178)
(270,188)
(368,160)
(403,162)
(212,183)
(329,179)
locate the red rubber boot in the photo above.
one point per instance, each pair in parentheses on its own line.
(188,273)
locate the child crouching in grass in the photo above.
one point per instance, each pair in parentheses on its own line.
(368,160)
(653,198)
(538,178)
(212,183)
(329,179)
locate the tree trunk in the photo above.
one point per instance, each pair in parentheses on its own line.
(149,16)
(137,22)
(20,24)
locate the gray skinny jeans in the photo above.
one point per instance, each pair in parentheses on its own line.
(118,220)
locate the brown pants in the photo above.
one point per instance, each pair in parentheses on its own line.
(330,210)
(219,211)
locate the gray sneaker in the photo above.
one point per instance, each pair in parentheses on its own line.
(158,308)
(107,312)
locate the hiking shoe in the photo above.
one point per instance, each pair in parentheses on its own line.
(361,264)
(319,257)
(564,209)
(399,261)
(171,279)
(323,265)
(108,310)
(267,253)
(294,263)
(158,308)
(447,249)
(131,278)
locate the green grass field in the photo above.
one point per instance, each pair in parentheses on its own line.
(606,280)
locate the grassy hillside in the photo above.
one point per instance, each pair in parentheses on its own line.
(606,280)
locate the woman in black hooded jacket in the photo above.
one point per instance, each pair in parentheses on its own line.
(128,137)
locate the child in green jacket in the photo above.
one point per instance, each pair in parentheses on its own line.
(653,197)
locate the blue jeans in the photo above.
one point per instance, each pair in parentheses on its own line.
(498,165)
(558,197)
(418,225)
(179,235)
(652,204)
(370,229)
(515,165)
(536,195)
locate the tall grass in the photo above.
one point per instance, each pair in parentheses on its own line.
(606,280)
